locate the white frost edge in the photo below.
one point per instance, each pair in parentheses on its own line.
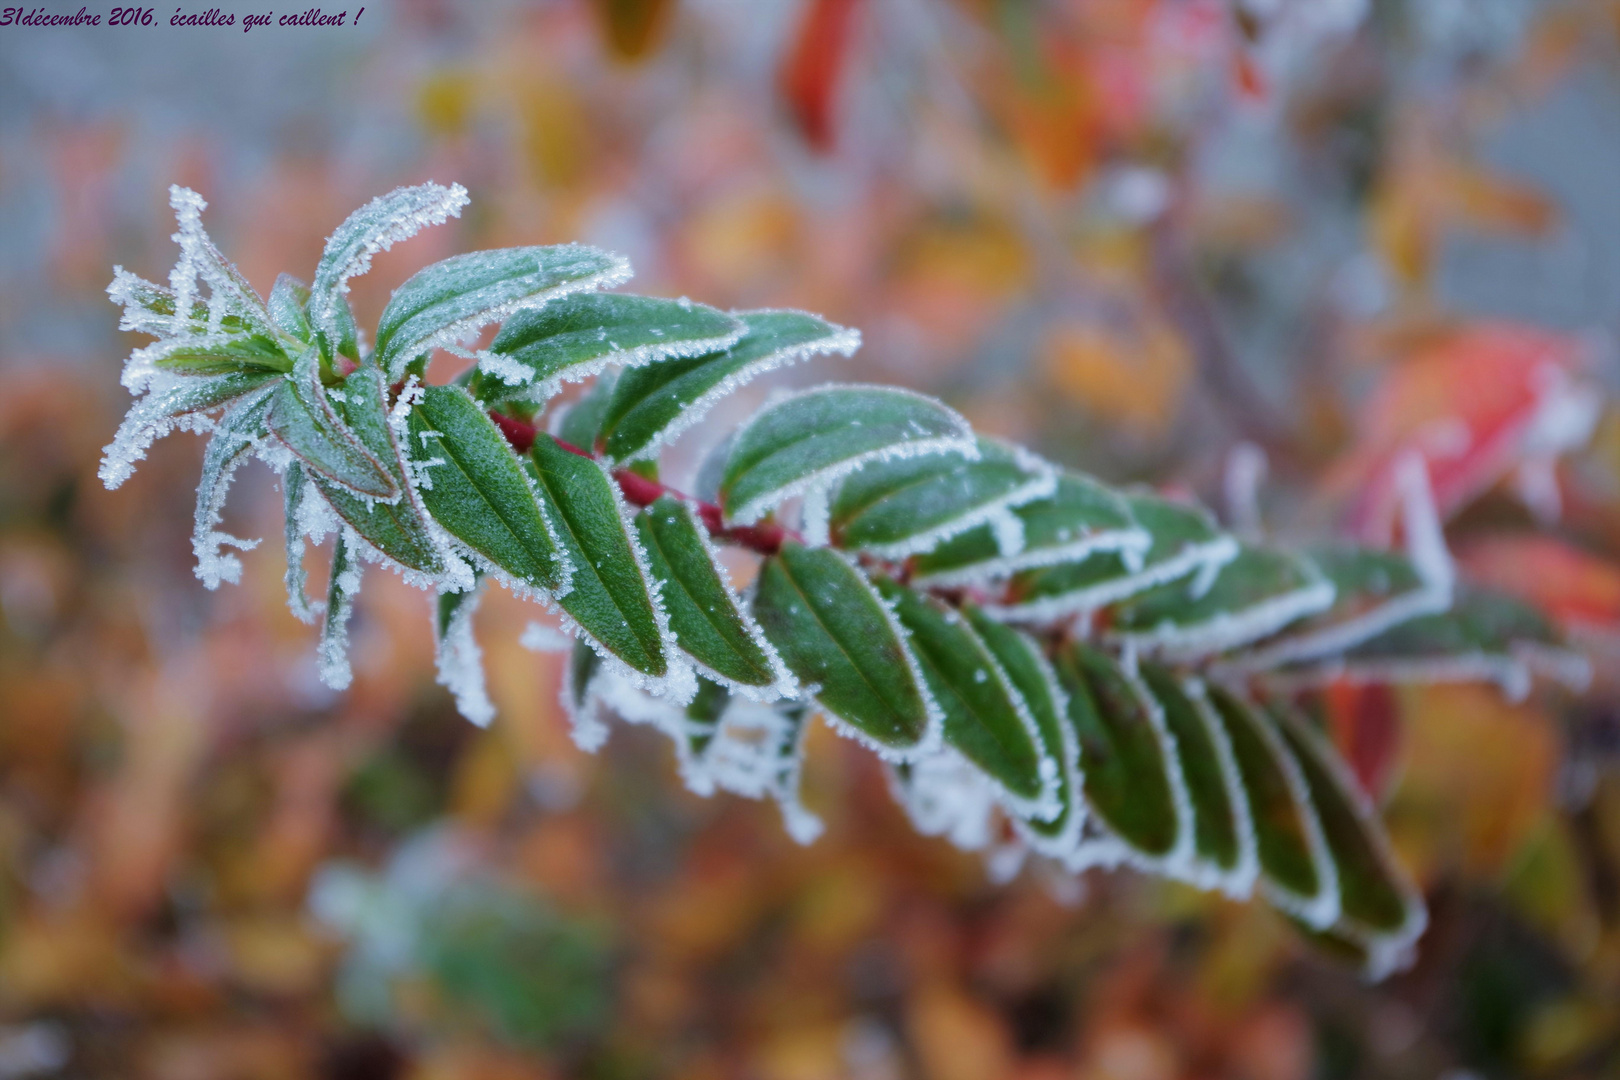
(948,796)
(639,356)
(459,662)
(963,443)
(843,340)
(1387,951)
(1510,674)
(584,720)
(332,652)
(1058,846)
(1192,557)
(1130,541)
(1230,630)
(207,539)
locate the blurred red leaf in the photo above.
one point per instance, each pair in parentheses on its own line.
(812,69)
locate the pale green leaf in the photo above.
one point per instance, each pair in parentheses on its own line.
(303,418)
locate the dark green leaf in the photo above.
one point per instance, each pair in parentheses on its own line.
(1294,864)
(578,336)
(704,614)
(478,491)
(1220,822)
(1031,674)
(584,417)
(1376,900)
(398,529)
(1184,540)
(986,719)
(1125,771)
(816,436)
(1080,517)
(656,403)
(835,634)
(303,418)
(1256,594)
(899,508)
(442,303)
(610,597)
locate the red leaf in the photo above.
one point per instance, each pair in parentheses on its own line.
(811,71)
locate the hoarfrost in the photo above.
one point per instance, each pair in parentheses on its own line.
(460,662)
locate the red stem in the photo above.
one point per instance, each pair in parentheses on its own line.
(640,491)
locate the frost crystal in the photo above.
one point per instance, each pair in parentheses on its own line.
(459,661)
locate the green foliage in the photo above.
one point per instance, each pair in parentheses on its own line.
(1105,671)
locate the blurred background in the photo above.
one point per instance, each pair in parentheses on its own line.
(1140,235)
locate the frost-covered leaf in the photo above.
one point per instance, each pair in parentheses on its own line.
(1079,517)
(1126,770)
(1373,591)
(1029,671)
(474,486)
(1257,593)
(222,354)
(899,508)
(289,303)
(1379,906)
(229,293)
(398,529)
(837,636)
(654,404)
(1296,870)
(580,697)
(1484,636)
(442,304)
(1184,540)
(812,438)
(611,595)
(457,658)
(376,226)
(166,407)
(293,493)
(573,338)
(704,613)
(986,718)
(302,416)
(944,794)
(238,431)
(341,589)
(1223,854)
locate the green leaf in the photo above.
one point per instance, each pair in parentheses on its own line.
(478,491)
(154,416)
(1373,591)
(376,226)
(302,417)
(704,613)
(571,339)
(654,404)
(221,354)
(835,634)
(986,719)
(583,419)
(341,588)
(292,483)
(816,436)
(1222,847)
(289,301)
(703,714)
(1184,540)
(1031,674)
(1378,904)
(441,304)
(236,433)
(1258,593)
(611,597)
(1078,518)
(1485,636)
(1124,766)
(899,508)
(1296,871)
(398,529)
